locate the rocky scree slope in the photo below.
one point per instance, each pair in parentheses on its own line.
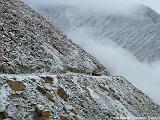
(137,32)
(30,44)
(61,80)
(72,96)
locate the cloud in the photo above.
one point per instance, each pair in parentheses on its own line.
(114,6)
(154,4)
(121,62)
(111,5)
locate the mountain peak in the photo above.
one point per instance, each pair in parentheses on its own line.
(146,12)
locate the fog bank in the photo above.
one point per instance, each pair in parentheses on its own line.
(121,62)
(111,5)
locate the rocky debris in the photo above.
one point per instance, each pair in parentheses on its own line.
(29,44)
(74,96)
(64,117)
(3,115)
(72,69)
(41,115)
(118,78)
(48,79)
(16,85)
(62,93)
(45,93)
(96,73)
(56,46)
(1,54)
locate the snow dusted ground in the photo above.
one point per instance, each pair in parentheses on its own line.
(73,95)
(44,75)
(30,44)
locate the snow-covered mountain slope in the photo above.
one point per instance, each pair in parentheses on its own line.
(50,78)
(137,32)
(72,97)
(30,44)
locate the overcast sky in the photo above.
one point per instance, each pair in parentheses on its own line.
(154,4)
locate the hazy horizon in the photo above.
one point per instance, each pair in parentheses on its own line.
(154,4)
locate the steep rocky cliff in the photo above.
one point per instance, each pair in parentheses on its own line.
(44,76)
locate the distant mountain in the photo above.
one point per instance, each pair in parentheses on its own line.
(45,76)
(137,32)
